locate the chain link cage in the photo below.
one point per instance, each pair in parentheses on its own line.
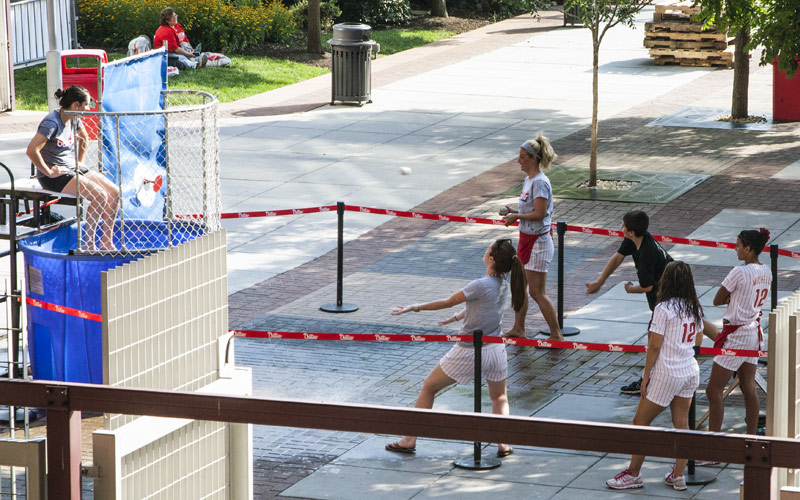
(148,180)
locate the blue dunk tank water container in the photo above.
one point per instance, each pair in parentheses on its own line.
(62,346)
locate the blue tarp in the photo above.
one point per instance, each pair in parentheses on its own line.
(136,85)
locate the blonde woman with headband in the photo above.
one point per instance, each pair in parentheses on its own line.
(535,248)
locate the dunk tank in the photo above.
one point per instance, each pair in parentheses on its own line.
(160,149)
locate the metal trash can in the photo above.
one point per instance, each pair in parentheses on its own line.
(352,54)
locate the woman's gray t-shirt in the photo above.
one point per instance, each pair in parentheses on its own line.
(486,302)
(60,146)
(532,188)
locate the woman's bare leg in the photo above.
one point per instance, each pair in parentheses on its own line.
(536,286)
(434,382)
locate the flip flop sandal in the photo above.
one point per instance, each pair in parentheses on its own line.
(508,451)
(400,449)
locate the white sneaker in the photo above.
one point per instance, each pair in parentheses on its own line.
(678,483)
(625,480)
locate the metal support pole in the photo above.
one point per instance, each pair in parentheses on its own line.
(692,475)
(561,229)
(339,306)
(477,462)
(773,258)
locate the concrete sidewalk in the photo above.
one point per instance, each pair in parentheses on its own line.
(455,113)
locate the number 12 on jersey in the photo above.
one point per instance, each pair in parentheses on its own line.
(689,331)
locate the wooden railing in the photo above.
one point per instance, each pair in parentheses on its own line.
(64,402)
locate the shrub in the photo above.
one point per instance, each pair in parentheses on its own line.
(375,12)
(329,11)
(218,25)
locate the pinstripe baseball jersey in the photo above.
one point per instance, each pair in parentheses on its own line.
(749,287)
(676,356)
(538,187)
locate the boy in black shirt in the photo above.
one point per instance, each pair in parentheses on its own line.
(648,257)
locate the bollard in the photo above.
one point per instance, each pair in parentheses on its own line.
(561,229)
(477,462)
(692,475)
(339,306)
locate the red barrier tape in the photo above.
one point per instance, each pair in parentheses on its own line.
(422,215)
(64,310)
(386,337)
(43,205)
(275,213)
(381,337)
(482,220)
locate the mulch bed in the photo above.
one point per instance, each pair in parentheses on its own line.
(295,50)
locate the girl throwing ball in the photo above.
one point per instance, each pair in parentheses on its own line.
(744,290)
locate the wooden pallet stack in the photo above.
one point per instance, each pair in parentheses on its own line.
(673,38)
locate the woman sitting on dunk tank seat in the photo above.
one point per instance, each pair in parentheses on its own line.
(52,151)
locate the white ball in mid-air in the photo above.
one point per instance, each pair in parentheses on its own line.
(405,171)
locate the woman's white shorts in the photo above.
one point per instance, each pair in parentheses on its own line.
(541,254)
(745,337)
(662,388)
(459,363)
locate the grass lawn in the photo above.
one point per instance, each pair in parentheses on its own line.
(250,75)
(398,40)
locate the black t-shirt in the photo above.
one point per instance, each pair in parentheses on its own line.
(650,260)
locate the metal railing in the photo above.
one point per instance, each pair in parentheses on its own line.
(64,402)
(29,38)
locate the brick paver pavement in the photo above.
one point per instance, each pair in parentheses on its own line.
(404,261)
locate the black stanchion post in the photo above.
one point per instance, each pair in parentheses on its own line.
(692,475)
(773,257)
(339,306)
(561,229)
(477,462)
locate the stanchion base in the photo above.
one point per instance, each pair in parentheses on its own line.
(567,331)
(483,463)
(699,477)
(336,308)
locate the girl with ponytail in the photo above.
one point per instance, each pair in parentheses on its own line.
(745,291)
(485,300)
(535,248)
(53,152)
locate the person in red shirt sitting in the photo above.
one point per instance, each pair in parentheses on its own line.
(180,51)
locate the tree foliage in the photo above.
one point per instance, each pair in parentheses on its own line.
(777,29)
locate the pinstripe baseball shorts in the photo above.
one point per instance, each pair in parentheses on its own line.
(541,255)
(662,388)
(459,363)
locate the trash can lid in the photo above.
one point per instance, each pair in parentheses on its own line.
(351,32)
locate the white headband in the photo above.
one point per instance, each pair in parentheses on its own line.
(527,147)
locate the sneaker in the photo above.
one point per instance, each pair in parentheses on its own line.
(632,388)
(625,480)
(678,483)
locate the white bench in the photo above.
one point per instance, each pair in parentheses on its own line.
(30,189)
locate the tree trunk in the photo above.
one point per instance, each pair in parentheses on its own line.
(439,8)
(595,97)
(741,74)
(314,37)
